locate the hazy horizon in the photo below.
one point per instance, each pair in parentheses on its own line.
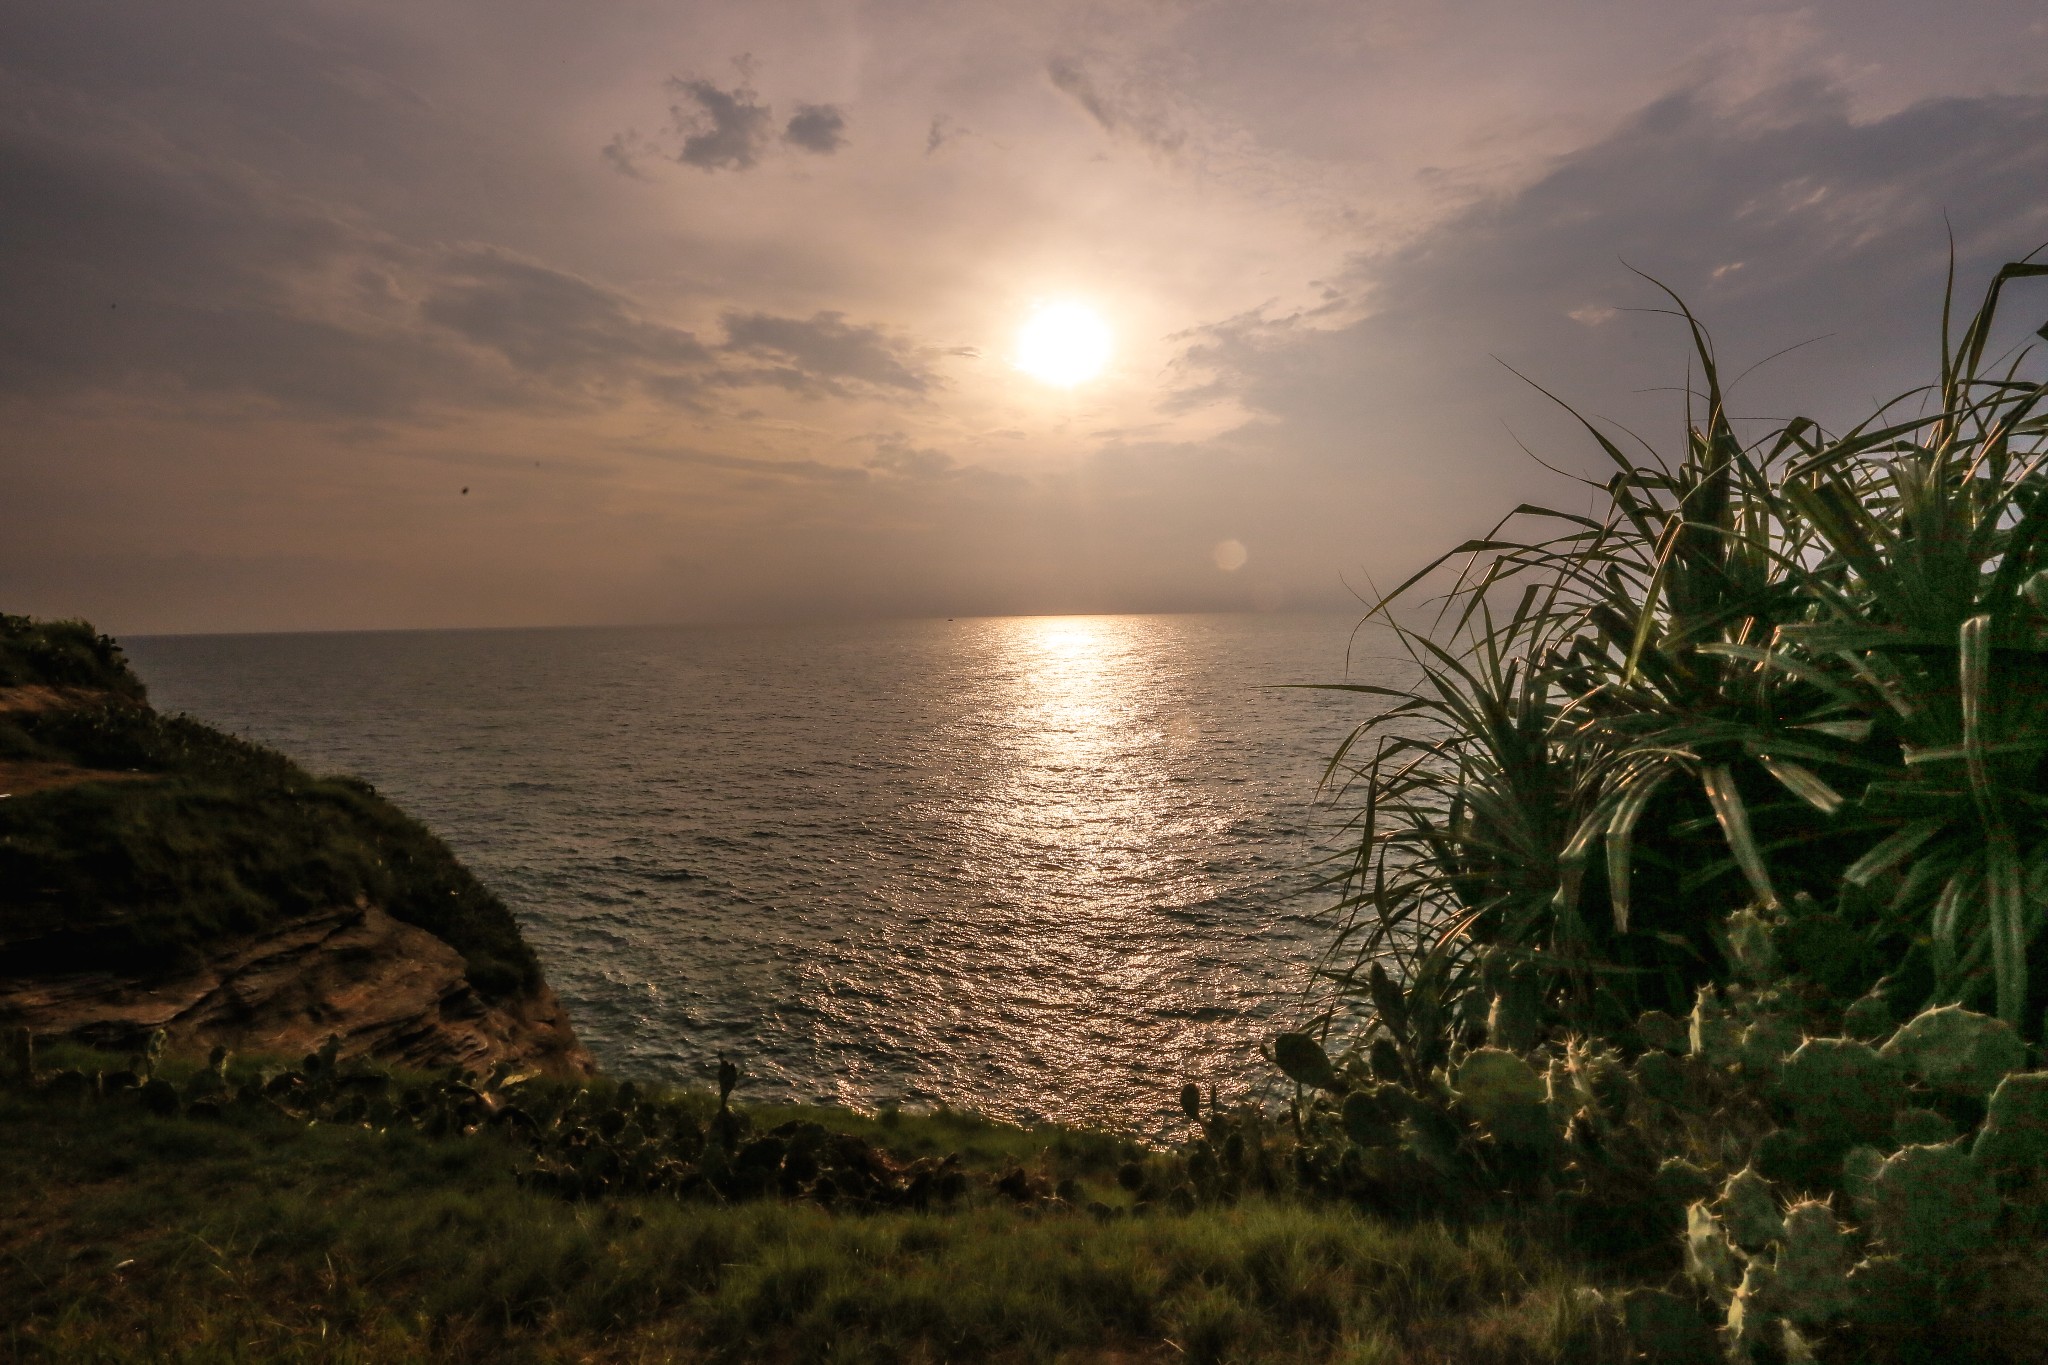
(353,314)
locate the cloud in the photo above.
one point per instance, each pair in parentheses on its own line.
(1842,226)
(555,325)
(819,128)
(723,129)
(825,349)
(1127,108)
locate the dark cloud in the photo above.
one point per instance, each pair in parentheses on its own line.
(819,128)
(1779,219)
(122,267)
(825,349)
(555,325)
(722,129)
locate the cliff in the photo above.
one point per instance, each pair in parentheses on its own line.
(155,873)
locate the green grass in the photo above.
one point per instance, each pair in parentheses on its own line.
(124,1236)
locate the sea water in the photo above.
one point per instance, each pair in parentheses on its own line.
(1044,867)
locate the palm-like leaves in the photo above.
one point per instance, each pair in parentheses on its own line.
(1807,673)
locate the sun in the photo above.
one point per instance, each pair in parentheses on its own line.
(1063,343)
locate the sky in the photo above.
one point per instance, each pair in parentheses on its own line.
(452,313)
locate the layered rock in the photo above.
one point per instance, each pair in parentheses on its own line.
(388,990)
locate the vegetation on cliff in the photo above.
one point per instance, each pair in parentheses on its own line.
(165,835)
(1698,897)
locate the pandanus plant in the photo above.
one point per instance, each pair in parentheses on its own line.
(1804,677)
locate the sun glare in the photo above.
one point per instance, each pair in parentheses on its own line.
(1064,344)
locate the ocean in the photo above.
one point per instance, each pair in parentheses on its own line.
(1049,868)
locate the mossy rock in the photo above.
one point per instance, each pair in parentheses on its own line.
(1957,1051)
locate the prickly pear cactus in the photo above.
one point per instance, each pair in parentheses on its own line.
(1710,1258)
(1504,1095)
(1957,1050)
(1812,1269)
(1660,1077)
(1749,1210)
(1767,1042)
(1869,1018)
(1841,1089)
(1712,1035)
(1751,1312)
(1682,1182)
(1751,946)
(1933,1205)
(2015,1132)
(1661,1032)
(1921,1128)
(1305,1062)
(1859,1178)
(1191,1102)
(1366,1121)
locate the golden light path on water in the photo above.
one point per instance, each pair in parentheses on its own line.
(1046,867)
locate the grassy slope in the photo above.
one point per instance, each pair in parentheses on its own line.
(226,838)
(125,1236)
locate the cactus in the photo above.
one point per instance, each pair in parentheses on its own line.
(1661,1032)
(1812,1269)
(1663,1327)
(1366,1121)
(1191,1102)
(1869,1018)
(1711,1035)
(1305,1062)
(1751,1314)
(1767,1042)
(1505,1096)
(728,1077)
(1749,1210)
(1933,1205)
(1921,1128)
(1859,1178)
(1660,1077)
(1682,1182)
(1889,1293)
(1710,1258)
(1841,1089)
(1750,946)
(1957,1051)
(2015,1133)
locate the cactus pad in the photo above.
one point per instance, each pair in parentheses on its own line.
(1749,1210)
(1304,1061)
(1504,1095)
(1709,1256)
(1841,1089)
(1662,1032)
(2015,1133)
(1957,1050)
(1933,1205)
(1921,1128)
(1813,1266)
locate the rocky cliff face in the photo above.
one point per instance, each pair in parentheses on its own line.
(388,990)
(158,874)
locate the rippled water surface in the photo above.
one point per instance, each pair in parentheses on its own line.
(1043,866)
